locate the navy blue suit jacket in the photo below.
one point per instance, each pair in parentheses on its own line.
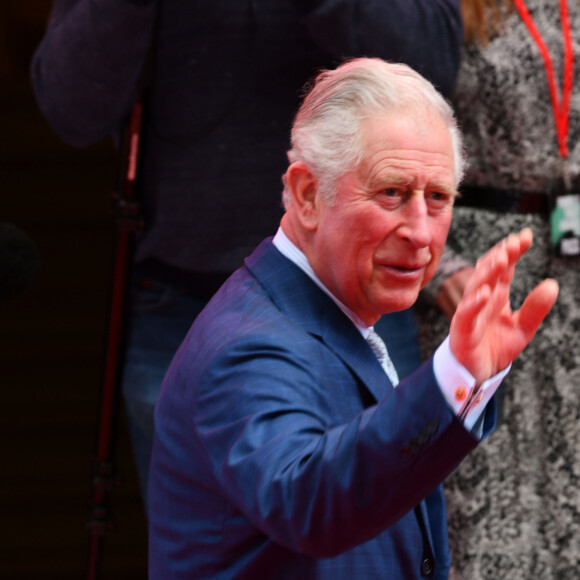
(282,450)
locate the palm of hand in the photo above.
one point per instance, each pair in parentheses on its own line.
(486,335)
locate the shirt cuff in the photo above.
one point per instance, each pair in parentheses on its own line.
(458,386)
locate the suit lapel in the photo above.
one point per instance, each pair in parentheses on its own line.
(295,294)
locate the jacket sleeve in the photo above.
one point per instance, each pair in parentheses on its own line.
(86,69)
(425,34)
(318,487)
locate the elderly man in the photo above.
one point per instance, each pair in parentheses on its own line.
(284,446)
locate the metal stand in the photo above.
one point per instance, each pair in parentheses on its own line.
(105,477)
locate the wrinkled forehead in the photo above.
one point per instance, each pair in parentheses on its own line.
(412,134)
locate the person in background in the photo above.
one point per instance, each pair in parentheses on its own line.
(285,446)
(226,81)
(513,505)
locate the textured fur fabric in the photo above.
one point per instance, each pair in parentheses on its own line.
(514,503)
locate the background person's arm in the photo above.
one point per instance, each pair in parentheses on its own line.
(85,72)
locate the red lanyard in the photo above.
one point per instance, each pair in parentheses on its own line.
(561,108)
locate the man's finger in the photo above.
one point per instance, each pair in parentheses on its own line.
(468,311)
(499,261)
(537,305)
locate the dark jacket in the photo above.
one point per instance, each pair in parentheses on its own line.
(227,81)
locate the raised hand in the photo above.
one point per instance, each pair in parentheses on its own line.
(486,335)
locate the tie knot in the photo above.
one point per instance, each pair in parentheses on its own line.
(380,350)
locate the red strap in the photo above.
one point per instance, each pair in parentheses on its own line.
(561,108)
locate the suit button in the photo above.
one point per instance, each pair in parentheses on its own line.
(427,567)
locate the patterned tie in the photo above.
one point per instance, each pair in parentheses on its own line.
(380,350)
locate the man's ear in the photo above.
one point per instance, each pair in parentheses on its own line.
(303,189)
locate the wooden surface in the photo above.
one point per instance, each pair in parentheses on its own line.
(53,336)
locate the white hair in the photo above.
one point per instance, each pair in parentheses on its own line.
(326,133)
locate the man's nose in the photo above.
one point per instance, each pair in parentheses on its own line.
(415,221)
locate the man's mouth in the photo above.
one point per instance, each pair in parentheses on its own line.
(405,270)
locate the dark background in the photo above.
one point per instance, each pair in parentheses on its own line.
(53,337)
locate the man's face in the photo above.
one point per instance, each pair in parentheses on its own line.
(381,240)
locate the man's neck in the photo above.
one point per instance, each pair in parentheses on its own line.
(288,249)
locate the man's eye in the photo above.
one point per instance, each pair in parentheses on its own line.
(391,191)
(440,197)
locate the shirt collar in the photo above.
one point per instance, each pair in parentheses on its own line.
(288,249)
